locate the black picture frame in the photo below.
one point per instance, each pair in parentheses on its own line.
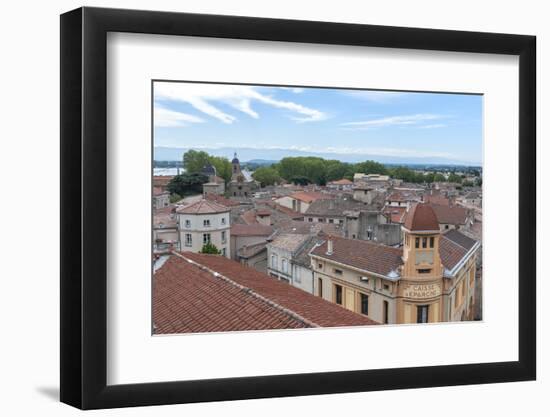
(84,207)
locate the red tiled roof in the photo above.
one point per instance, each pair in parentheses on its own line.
(362,254)
(251,230)
(395,214)
(436,199)
(189,297)
(308,197)
(450,214)
(161,180)
(249,217)
(343,181)
(221,200)
(421,217)
(203,207)
(289,212)
(451,253)
(158,191)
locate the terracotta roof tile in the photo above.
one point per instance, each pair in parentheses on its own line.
(421,217)
(308,197)
(362,254)
(203,207)
(450,214)
(221,200)
(189,298)
(251,230)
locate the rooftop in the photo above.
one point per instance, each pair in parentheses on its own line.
(289,241)
(362,254)
(450,214)
(208,293)
(421,218)
(203,206)
(310,196)
(343,181)
(334,207)
(251,230)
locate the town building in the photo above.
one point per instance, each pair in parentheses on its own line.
(162,181)
(301,200)
(161,198)
(204,222)
(453,217)
(254,256)
(280,253)
(165,230)
(341,185)
(430,279)
(215,184)
(196,293)
(241,184)
(248,234)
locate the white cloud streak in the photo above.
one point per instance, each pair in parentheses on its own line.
(164,117)
(407,120)
(240,98)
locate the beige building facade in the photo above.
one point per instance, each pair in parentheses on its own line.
(430,279)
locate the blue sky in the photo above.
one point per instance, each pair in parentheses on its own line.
(313,120)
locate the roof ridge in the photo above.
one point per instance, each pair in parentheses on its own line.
(250,291)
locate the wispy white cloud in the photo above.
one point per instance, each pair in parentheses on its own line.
(375,96)
(406,120)
(164,117)
(205,97)
(434,126)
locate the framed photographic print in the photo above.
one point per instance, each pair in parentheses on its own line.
(259,207)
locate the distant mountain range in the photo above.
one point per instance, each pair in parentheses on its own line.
(267,156)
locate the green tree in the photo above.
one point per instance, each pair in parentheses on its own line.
(210,248)
(186,184)
(174,198)
(371,167)
(455,178)
(194,161)
(266,176)
(300,180)
(222,165)
(336,170)
(439,177)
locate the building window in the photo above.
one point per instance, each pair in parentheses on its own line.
(338,294)
(331,220)
(353,236)
(338,272)
(422,314)
(386,287)
(424,271)
(432,242)
(274,261)
(424,242)
(310,219)
(223,220)
(224,237)
(446,226)
(187,223)
(319,287)
(369,235)
(206,238)
(417,242)
(206,223)
(284,265)
(385,311)
(224,252)
(321,220)
(320,266)
(295,274)
(188,239)
(364,304)
(341,221)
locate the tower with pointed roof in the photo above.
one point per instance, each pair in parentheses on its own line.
(236,166)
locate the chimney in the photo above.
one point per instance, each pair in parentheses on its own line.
(330,246)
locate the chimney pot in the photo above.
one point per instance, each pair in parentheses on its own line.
(330,246)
